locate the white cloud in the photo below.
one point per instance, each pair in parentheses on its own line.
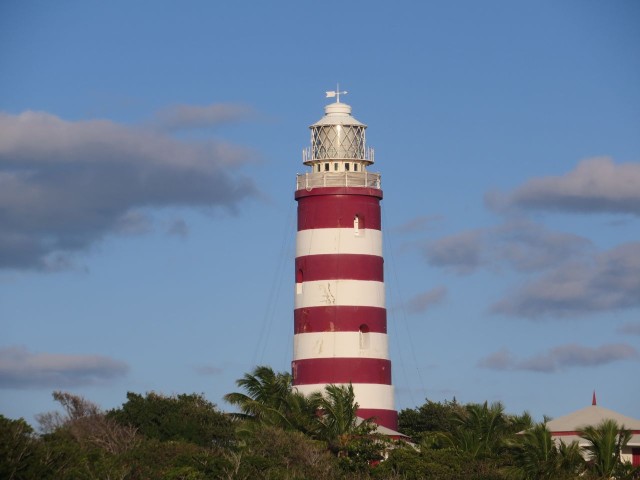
(178,227)
(423,301)
(630,329)
(463,253)
(180,117)
(208,370)
(527,246)
(64,185)
(417,224)
(561,357)
(596,185)
(21,369)
(518,243)
(611,281)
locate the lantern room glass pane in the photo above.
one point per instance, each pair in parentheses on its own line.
(338,141)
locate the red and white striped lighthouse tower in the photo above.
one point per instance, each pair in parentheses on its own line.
(340,320)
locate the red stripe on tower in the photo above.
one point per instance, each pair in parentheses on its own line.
(337,266)
(340,322)
(339,319)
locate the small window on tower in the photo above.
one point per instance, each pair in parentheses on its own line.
(364,336)
(299,280)
(318,167)
(355,167)
(346,167)
(335,167)
(326,167)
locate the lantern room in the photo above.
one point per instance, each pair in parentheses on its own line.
(338,155)
(338,142)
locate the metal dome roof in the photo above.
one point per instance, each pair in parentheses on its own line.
(337,114)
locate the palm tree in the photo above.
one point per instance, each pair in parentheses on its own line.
(266,397)
(538,457)
(348,437)
(606,441)
(330,416)
(480,429)
(271,399)
(337,416)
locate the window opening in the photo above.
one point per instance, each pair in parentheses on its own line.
(299,279)
(364,336)
(346,167)
(326,167)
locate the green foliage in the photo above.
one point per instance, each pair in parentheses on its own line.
(353,441)
(428,418)
(82,443)
(329,416)
(18,449)
(191,418)
(284,435)
(273,453)
(436,464)
(480,430)
(174,460)
(537,457)
(270,400)
(606,441)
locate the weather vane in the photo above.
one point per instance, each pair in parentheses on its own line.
(336,93)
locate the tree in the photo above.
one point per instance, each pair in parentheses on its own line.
(87,424)
(330,416)
(266,397)
(18,449)
(347,436)
(408,463)
(538,457)
(82,442)
(188,417)
(606,441)
(271,400)
(431,417)
(337,415)
(480,429)
(271,452)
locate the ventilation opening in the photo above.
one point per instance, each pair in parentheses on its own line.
(364,336)
(299,278)
(358,224)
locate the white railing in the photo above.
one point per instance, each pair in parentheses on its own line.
(308,181)
(309,156)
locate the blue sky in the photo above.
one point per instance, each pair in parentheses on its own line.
(148,153)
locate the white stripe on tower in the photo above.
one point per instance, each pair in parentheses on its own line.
(338,240)
(341,344)
(325,293)
(381,395)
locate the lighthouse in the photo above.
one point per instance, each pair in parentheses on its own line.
(340,319)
